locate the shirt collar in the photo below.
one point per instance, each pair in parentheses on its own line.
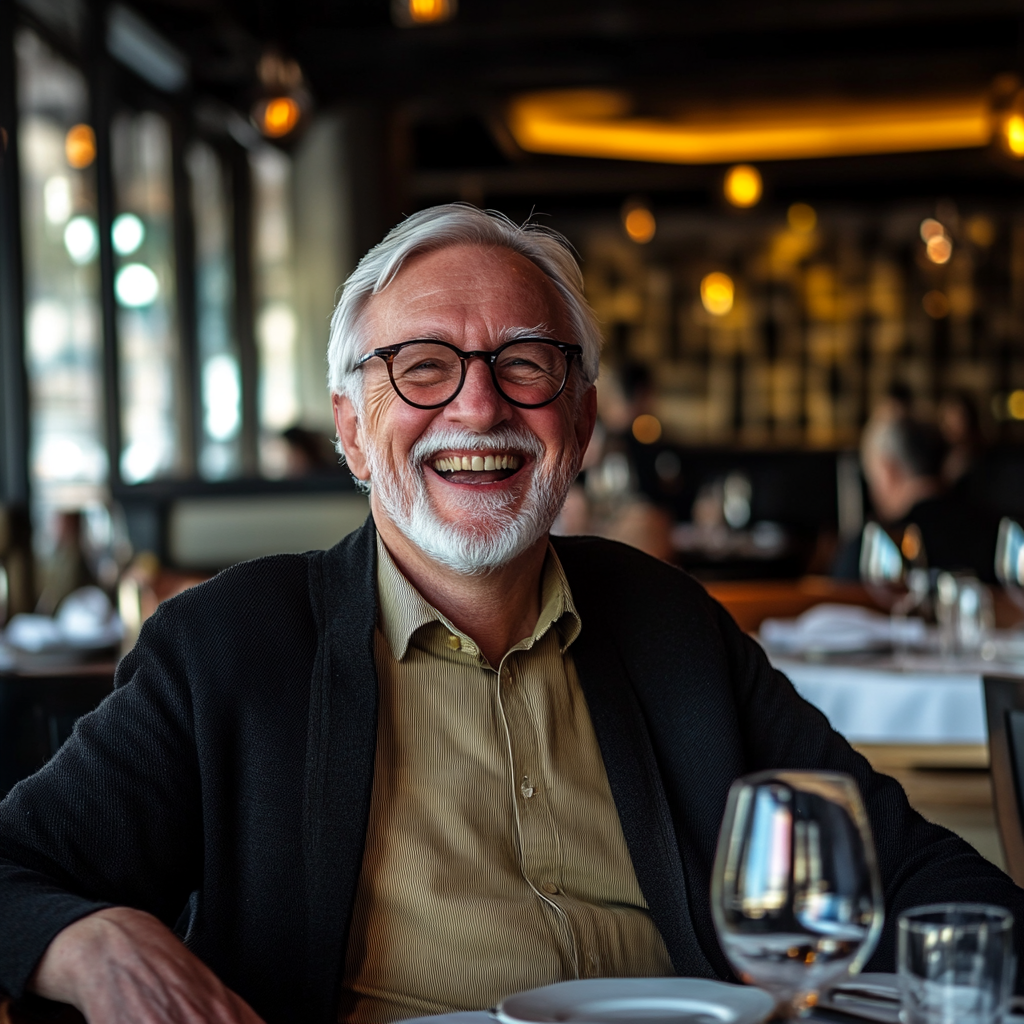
(403,610)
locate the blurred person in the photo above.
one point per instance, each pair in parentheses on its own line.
(902,459)
(961,430)
(451,758)
(310,453)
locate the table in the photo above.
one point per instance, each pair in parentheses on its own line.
(886,704)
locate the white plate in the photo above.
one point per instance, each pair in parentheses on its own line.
(646,1000)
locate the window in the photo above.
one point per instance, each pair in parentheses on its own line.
(276,321)
(145,292)
(219,372)
(60,233)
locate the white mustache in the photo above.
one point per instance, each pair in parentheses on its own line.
(447,438)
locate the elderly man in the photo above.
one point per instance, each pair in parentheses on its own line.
(447,759)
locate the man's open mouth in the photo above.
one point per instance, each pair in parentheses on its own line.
(477,468)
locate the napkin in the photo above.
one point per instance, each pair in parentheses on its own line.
(837,628)
(85,620)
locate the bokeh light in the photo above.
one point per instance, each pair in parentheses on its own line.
(425,11)
(1015,404)
(743,186)
(981,230)
(278,116)
(939,249)
(136,286)
(717,293)
(80,146)
(931,228)
(647,428)
(127,233)
(639,224)
(802,218)
(81,239)
(1013,135)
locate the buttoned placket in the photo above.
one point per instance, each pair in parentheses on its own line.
(536,833)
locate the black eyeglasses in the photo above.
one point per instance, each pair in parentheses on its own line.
(528,373)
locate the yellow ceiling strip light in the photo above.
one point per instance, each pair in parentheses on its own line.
(599,124)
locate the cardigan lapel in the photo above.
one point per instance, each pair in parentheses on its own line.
(341,746)
(633,776)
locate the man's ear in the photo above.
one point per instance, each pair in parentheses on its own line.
(350,434)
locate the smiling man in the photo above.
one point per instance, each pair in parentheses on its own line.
(448,759)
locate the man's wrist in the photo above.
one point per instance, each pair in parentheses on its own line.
(70,959)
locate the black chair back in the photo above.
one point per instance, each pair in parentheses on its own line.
(38,712)
(1004,709)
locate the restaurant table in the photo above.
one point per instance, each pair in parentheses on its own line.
(886,700)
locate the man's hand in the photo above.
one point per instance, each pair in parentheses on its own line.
(122,966)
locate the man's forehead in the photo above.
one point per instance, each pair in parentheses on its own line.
(463,286)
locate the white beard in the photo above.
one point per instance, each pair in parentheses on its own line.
(491,532)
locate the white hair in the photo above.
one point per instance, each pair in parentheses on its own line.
(438,228)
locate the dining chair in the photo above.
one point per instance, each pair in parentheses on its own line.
(38,712)
(1004,710)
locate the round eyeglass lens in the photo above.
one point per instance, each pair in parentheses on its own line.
(426,374)
(530,372)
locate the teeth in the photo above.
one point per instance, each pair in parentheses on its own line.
(475,463)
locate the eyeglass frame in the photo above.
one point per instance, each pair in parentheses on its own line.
(389,352)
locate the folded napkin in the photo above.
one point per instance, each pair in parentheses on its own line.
(837,628)
(86,620)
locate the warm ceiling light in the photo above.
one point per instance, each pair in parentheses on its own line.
(743,186)
(939,249)
(647,428)
(802,218)
(422,12)
(1013,135)
(931,228)
(80,146)
(600,124)
(639,224)
(278,116)
(716,293)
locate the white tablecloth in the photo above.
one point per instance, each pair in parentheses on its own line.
(869,705)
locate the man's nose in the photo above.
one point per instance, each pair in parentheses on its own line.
(478,405)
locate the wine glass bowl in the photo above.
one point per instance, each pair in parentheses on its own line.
(796,895)
(1010,560)
(881,567)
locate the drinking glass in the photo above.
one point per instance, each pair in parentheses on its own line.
(964,612)
(1010,560)
(796,896)
(956,963)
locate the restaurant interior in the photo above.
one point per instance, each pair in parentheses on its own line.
(797,223)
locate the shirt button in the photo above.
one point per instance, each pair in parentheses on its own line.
(454,642)
(550,888)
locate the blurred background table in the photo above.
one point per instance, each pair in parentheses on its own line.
(918,718)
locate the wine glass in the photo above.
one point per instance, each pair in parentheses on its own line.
(896,576)
(1010,560)
(796,896)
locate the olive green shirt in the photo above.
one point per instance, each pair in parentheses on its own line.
(495,861)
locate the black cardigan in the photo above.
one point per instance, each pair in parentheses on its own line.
(225,785)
